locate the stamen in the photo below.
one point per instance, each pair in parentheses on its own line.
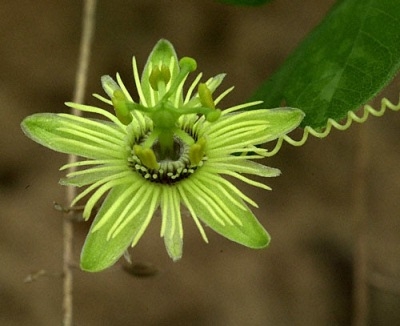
(196,152)
(207,101)
(146,156)
(205,96)
(120,103)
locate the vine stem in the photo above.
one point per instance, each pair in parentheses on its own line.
(360,214)
(88,27)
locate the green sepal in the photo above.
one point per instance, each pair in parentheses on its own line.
(277,122)
(250,234)
(44,128)
(99,251)
(281,121)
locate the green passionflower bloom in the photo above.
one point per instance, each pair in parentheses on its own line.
(167,150)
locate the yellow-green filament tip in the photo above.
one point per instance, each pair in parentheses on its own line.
(146,156)
(121,108)
(196,152)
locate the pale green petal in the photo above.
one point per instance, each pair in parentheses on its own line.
(281,121)
(171,229)
(235,124)
(94,130)
(250,233)
(100,251)
(277,122)
(47,130)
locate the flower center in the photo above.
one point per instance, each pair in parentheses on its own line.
(167,151)
(182,162)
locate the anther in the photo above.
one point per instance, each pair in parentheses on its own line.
(146,156)
(205,96)
(196,151)
(121,107)
(207,101)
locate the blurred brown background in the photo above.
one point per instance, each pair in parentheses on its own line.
(303,278)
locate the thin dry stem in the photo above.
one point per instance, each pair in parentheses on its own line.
(360,214)
(88,27)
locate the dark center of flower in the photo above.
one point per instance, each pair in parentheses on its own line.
(155,167)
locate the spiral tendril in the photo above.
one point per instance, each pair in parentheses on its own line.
(331,123)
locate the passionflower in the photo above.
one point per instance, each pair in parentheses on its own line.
(166,151)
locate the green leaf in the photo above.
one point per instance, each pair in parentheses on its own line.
(245,2)
(341,65)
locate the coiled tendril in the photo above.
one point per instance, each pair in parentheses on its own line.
(331,123)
